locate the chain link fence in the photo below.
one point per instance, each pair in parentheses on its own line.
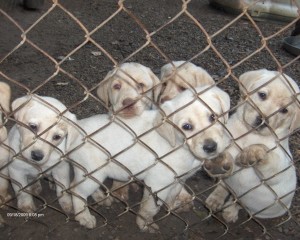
(77,51)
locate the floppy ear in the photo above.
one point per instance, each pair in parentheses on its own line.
(19,114)
(224,100)
(247,79)
(166,130)
(103,89)
(5,96)
(73,131)
(202,77)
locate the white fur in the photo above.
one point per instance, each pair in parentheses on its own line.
(24,170)
(156,164)
(281,186)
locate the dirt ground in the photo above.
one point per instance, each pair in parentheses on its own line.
(58,34)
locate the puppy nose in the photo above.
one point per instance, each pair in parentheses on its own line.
(37,155)
(164,99)
(128,102)
(210,146)
(258,121)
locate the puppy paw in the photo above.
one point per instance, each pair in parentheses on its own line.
(26,206)
(183,202)
(102,199)
(146,227)
(230,214)
(220,166)
(86,220)
(214,202)
(36,188)
(252,155)
(66,204)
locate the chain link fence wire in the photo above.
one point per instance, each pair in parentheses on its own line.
(66,50)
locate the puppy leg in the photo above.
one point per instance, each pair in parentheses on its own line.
(216,199)
(4,183)
(231,213)
(61,176)
(25,200)
(80,194)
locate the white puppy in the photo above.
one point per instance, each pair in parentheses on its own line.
(159,150)
(178,76)
(129,89)
(40,139)
(4,150)
(260,128)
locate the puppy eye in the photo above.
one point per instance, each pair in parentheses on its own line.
(141,85)
(284,110)
(117,86)
(56,137)
(213,117)
(33,127)
(187,127)
(181,88)
(164,84)
(262,95)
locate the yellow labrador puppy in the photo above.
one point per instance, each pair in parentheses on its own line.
(40,139)
(264,177)
(128,90)
(177,142)
(5,93)
(179,76)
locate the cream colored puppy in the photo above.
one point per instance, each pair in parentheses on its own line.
(4,150)
(40,138)
(129,89)
(170,148)
(179,76)
(261,127)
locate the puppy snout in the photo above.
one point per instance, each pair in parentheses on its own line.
(210,146)
(37,155)
(128,102)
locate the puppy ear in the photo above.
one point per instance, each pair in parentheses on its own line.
(202,77)
(19,114)
(166,130)
(103,89)
(73,132)
(247,79)
(5,96)
(224,100)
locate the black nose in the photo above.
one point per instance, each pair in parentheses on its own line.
(37,155)
(210,146)
(258,121)
(128,102)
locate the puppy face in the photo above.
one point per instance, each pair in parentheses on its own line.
(36,117)
(199,123)
(129,89)
(179,76)
(270,107)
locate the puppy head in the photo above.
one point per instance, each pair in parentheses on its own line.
(271,105)
(4,102)
(199,122)
(37,115)
(180,75)
(128,89)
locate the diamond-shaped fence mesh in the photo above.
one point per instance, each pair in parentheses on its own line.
(149,119)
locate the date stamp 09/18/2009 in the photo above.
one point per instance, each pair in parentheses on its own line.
(22,214)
